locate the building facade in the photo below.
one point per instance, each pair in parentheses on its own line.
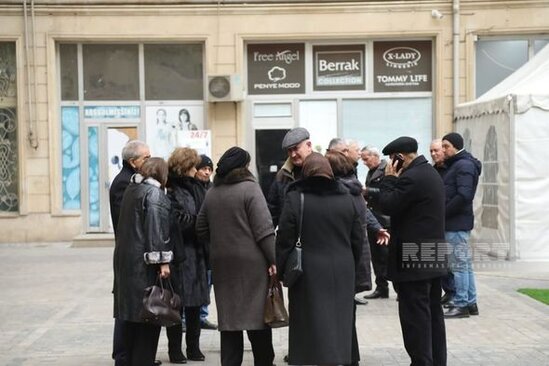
(80,78)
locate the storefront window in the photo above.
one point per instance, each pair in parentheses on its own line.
(9,182)
(173,72)
(71,157)
(111,72)
(69,71)
(539,44)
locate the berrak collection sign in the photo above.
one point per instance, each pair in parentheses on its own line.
(339,67)
(276,68)
(403,66)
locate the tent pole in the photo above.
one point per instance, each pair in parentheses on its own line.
(513,250)
(455,33)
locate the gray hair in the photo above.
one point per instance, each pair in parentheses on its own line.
(132,149)
(336,142)
(372,150)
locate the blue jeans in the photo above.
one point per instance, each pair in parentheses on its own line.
(204,308)
(461,265)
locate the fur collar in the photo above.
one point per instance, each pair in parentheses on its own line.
(234,176)
(319,186)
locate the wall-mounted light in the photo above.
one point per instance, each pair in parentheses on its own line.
(436,14)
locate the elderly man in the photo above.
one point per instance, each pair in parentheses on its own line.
(460,181)
(376,172)
(412,193)
(298,146)
(134,154)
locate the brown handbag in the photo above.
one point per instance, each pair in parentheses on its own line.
(276,315)
(161,306)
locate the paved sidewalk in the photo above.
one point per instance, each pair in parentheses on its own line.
(56,308)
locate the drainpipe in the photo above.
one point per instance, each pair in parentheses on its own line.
(455,32)
(31,136)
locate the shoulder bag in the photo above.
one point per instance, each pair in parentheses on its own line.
(294,264)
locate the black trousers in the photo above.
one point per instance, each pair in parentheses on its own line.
(232,347)
(118,346)
(141,341)
(380,257)
(448,284)
(355,353)
(192,334)
(422,322)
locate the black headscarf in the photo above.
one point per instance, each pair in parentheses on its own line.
(233,158)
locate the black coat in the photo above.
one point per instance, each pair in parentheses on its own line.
(460,182)
(277,192)
(373,180)
(116,192)
(415,202)
(142,242)
(190,265)
(321,301)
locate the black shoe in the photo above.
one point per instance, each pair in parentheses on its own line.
(360,301)
(195,355)
(157,363)
(383,294)
(448,305)
(457,312)
(206,324)
(286,358)
(446,298)
(178,358)
(473,309)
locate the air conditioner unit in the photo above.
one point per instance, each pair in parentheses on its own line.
(224,88)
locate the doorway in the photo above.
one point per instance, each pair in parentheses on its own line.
(269,156)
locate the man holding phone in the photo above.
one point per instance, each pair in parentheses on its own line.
(412,193)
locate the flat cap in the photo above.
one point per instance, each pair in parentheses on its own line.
(294,137)
(403,144)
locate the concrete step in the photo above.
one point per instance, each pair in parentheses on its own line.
(90,240)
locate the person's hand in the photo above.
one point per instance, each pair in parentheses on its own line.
(272,270)
(164,270)
(390,168)
(382,237)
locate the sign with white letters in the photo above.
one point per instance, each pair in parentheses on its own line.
(338,67)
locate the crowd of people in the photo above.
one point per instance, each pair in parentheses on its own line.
(171,221)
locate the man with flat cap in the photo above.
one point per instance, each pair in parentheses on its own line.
(412,193)
(460,182)
(298,146)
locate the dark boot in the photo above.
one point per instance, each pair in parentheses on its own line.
(175,339)
(457,312)
(192,336)
(382,293)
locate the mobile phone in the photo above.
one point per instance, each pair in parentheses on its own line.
(400,161)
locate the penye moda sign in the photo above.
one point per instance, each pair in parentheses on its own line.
(276,68)
(403,66)
(339,67)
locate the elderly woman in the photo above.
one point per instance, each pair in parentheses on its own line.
(321,300)
(189,268)
(236,220)
(142,251)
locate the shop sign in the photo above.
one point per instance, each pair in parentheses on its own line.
(339,67)
(402,66)
(112,112)
(276,68)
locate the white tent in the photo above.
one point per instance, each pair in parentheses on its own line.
(508,130)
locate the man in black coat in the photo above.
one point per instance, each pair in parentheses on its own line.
(134,154)
(412,193)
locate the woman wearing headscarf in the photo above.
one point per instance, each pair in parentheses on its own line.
(142,252)
(236,221)
(190,265)
(321,301)
(344,172)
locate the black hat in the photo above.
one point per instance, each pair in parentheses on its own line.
(204,162)
(294,137)
(455,139)
(233,158)
(403,144)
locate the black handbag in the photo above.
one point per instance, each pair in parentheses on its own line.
(161,306)
(294,264)
(275,314)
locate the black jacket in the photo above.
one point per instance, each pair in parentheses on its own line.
(415,202)
(277,193)
(373,180)
(460,182)
(142,242)
(321,301)
(116,192)
(190,265)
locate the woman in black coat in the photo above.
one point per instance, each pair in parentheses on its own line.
(190,269)
(142,251)
(321,300)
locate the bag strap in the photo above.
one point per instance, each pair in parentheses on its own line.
(302,199)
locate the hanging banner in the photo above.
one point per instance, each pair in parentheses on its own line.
(403,66)
(338,67)
(277,68)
